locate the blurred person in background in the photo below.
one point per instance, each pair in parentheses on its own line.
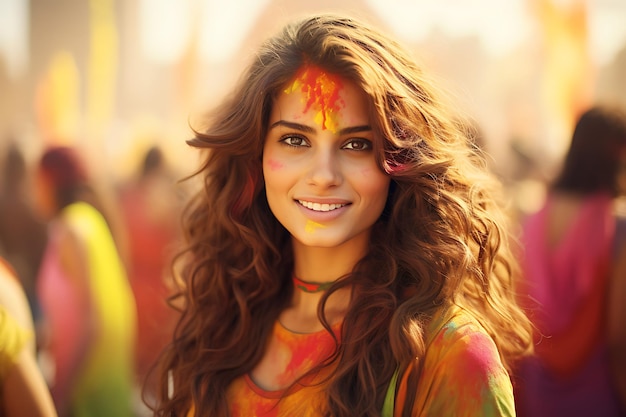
(151,207)
(22,232)
(23,390)
(84,293)
(575,275)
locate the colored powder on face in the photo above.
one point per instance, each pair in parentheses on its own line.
(320,91)
(274,165)
(312,226)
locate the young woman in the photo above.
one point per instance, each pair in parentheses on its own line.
(575,269)
(86,299)
(345,254)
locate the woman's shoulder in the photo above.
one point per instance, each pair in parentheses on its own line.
(78,221)
(78,211)
(455,332)
(462,353)
(462,372)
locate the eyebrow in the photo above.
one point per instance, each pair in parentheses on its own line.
(309,129)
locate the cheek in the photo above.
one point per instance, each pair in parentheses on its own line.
(374,185)
(274,165)
(274,171)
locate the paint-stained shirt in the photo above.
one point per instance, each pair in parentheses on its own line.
(294,355)
(462,376)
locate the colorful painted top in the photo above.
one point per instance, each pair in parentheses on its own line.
(301,353)
(463,375)
(105,383)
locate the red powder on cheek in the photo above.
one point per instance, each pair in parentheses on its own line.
(321,91)
(274,165)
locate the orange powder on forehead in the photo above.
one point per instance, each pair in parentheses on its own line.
(321,92)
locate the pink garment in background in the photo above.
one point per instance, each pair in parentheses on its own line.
(65,310)
(560,278)
(569,375)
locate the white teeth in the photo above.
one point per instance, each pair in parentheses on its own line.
(320,207)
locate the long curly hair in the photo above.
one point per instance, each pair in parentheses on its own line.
(440,239)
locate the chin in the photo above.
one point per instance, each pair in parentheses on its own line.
(318,243)
(322,240)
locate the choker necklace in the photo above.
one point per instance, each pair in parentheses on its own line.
(309,286)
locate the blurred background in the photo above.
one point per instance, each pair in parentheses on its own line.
(121,80)
(117,76)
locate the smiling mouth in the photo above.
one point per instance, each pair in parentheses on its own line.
(320,206)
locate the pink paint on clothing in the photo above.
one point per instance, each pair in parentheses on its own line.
(463,371)
(246,398)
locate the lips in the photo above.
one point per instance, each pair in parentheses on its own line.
(322,207)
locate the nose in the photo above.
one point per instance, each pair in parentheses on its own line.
(325,168)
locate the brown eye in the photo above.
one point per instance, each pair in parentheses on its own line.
(358,145)
(294,141)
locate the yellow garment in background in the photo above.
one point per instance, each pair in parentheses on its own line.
(105,384)
(12,340)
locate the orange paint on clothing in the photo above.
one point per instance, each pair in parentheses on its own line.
(301,352)
(321,92)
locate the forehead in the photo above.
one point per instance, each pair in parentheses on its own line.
(330,98)
(317,86)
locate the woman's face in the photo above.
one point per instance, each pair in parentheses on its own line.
(321,177)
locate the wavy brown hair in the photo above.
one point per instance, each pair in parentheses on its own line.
(440,238)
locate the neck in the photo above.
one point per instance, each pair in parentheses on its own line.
(323,265)
(310,286)
(302,314)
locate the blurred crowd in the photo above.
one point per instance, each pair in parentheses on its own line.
(93,262)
